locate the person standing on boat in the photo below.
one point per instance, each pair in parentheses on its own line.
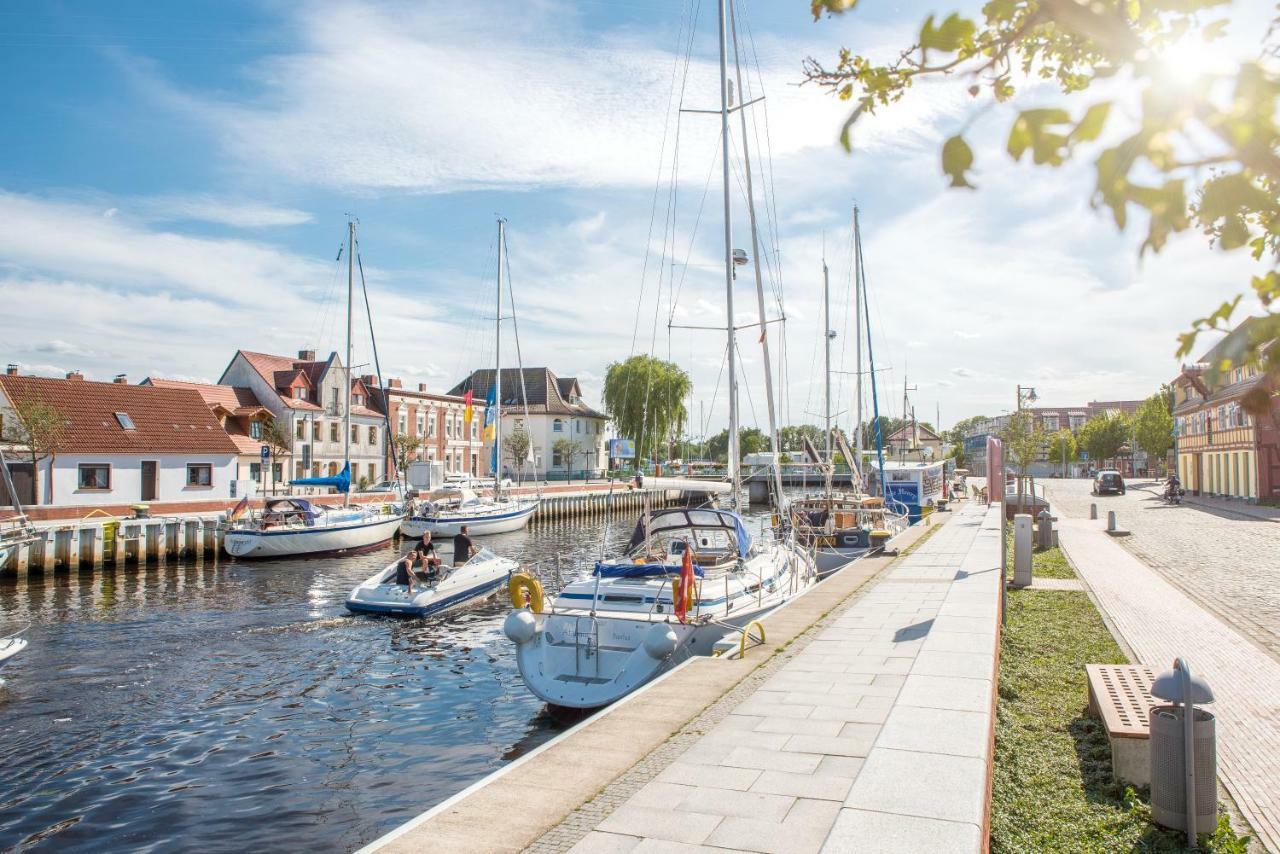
(463,547)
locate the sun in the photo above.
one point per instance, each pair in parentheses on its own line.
(1193,59)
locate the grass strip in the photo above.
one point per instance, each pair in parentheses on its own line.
(1052,787)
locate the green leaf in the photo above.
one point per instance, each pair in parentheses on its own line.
(953,34)
(957,158)
(1019,138)
(1091,125)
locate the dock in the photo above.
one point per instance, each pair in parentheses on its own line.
(865,722)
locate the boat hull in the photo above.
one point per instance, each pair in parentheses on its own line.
(831,559)
(478,524)
(10,647)
(295,542)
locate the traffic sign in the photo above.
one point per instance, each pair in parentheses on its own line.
(266,452)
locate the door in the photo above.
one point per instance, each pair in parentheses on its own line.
(24,483)
(150,480)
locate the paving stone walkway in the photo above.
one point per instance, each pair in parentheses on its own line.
(1159,622)
(875,736)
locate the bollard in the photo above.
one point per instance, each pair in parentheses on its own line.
(1111,521)
(1093,510)
(1044,529)
(1022,550)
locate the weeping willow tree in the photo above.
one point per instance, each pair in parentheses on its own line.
(646,397)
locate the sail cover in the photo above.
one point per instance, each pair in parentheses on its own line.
(341,481)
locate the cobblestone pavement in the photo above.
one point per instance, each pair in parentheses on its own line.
(1227,562)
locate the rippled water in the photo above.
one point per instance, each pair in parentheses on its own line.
(232,706)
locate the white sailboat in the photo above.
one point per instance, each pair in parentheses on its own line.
(496,515)
(687,577)
(293,527)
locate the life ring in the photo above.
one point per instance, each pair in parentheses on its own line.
(525,589)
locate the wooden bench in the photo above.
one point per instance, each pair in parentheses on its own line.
(1120,694)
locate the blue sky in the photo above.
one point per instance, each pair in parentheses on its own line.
(176,179)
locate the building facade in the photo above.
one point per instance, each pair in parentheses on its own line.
(1223,450)
(1051,419)
(119,444)
(567,437)
(309,396)
(437,421)
(913,442)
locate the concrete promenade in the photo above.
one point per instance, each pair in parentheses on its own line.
(864,723)
(1159,622)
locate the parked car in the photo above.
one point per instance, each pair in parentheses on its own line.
(389,486)
(1108,482)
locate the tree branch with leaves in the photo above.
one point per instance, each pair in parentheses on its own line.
(38,429)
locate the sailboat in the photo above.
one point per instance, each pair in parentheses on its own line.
(292,527)
(688,576)
(496,515)
(839,525)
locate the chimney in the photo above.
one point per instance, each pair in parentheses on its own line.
(422,387)
(121,379)
(75,375)
(394,383)
(369,380)
(306,355)
(11,370)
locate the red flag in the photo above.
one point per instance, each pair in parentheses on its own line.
(466,401)
(685,599)
(239,509)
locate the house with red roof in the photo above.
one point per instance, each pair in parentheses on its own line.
(309,396)
(115,443)
(245,420)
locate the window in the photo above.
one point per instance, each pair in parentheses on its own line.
(125,421)
(301,432)
(357,400)
(255,472)
(1239,374)
(255,429)
(1077,421)
(199,474)
(355,434)
(404,423)
(422,426)
(373,435)
(334,435)
(300,393)
(95,476)
(299,469)
(448,426)
(557,459)
(315,429)
(431,424)
(1051,423)
(473,429)
(333,401)
(558,427)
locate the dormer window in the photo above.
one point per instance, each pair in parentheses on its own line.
(255,429)
(300,393)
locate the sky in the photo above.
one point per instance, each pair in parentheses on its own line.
(177,180)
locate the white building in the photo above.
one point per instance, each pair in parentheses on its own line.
(567,437)
(118,444)
(309,396)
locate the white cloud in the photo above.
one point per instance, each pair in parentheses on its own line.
(207,208)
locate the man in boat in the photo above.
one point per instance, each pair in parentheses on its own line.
(463,547)
(404,571)
(427,550)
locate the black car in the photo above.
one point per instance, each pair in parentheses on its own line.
(1108,483)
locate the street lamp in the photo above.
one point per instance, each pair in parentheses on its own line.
(1026,394)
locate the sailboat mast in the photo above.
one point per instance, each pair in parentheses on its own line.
(871,359)
(756,257)
(826,356)
(734,474)
(497,369)
(857,324)
(351,278)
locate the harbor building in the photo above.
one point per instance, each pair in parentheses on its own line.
(437,421)
(1222,450)
(913,442)
(115,444)
(308,395)
(246,421)
(567,437)
(1051,419)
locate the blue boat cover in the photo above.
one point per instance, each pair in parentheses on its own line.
(639,570)
(691,519)
(341,481)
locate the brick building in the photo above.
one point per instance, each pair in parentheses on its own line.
(1222,450)
(438,421)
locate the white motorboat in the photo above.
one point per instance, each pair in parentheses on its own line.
(293,527)
(459,586)
(10,646)
(480,515)
(605,636)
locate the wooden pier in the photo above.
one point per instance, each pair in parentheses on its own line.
(97,541)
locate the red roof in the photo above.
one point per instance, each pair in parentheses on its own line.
(165,420)
(280,372)
(238,402)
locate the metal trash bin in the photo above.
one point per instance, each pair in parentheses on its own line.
(1044,529)
(1168,777)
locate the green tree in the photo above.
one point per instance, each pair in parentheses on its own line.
(1063,449)
(1191,150)
(1103,435)
(275,435)
(563,450)
(888,426)
(1153,427)
(515,446)
(405,449)
(38,428)
(791,439)
(750,441)
(1023,440)
(646,398)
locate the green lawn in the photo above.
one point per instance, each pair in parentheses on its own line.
(1052,789)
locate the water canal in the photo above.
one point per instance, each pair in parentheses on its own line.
(234,706)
